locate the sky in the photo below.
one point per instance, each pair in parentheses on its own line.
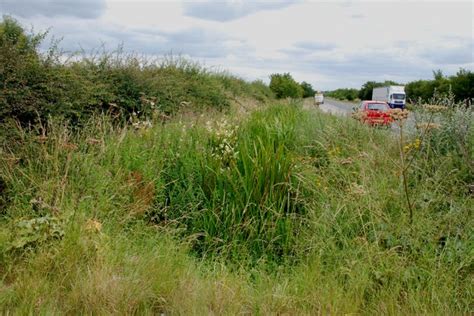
(328,44)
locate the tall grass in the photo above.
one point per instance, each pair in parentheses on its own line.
(279,211)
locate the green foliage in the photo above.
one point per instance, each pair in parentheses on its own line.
(460,84)
(448,135)
(284,86)
(36,85)
(35,232)
(308,90)
(343,94)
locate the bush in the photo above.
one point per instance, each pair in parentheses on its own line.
(284,86)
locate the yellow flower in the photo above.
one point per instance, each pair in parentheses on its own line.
(417,143)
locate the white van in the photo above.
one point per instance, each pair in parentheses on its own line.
(318,98)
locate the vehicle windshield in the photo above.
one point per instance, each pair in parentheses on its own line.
(377,106)
(398,96)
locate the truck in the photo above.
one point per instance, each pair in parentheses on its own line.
(318,98)
(393,95)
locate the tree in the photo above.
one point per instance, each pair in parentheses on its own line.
(463,85)
(365,92)
(308,90)
(284,86)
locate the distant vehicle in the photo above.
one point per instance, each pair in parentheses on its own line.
(318,98)
(374,113)
(393,95)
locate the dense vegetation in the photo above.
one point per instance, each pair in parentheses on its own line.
(284,86)
(343,94)
(225,207)
(461,85)
(279,211)
(35,84)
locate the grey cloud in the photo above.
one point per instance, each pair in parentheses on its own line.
(353,71)
(314,46)
(222,11)
(462,54)
(85,9)
(195,42)
(307,48)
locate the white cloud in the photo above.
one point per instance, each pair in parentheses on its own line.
(327,44)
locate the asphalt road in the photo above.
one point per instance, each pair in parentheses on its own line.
(331,106)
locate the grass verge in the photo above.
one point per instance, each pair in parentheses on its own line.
(279,211)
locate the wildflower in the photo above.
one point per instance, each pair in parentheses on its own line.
(334,151)
(93,225)
(399,114)
(347,161)
(428,126)
(434,108)
(357,189)
(93,141)
(69,146)
(417,143)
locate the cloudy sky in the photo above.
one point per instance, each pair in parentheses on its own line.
(328,44)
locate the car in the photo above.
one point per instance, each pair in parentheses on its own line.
(374,113)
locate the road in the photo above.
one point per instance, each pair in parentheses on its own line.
(344,108)
(331,106)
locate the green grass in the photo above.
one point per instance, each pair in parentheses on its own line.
(279,210)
